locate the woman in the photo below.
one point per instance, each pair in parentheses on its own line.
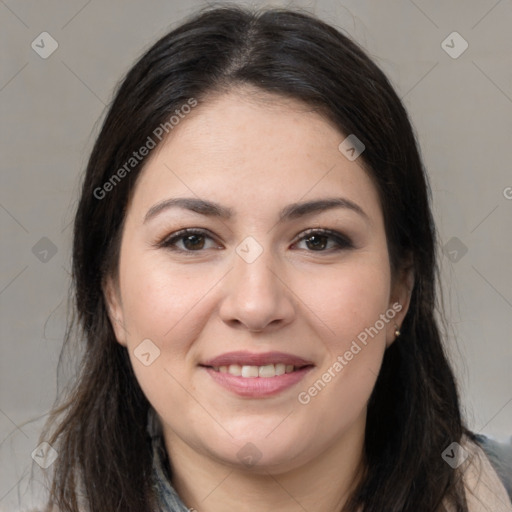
(254,263)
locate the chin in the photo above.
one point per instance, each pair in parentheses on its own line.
(276,453)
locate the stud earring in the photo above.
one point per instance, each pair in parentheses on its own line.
(397,331)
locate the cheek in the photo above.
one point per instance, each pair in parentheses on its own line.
(349,299)
(169,305)
(165,305)
(162,301)
(350,302)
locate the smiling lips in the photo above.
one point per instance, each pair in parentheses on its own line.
(265,371)
(257,375)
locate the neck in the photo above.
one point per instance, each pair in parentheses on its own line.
(323,484)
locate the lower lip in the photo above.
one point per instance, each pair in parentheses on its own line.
(258,387)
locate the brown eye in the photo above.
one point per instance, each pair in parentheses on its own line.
(317,240)
(191,240)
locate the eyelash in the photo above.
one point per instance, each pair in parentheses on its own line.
(342,241)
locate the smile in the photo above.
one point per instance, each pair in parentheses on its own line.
(265,371)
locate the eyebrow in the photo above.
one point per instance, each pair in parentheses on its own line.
(290,212)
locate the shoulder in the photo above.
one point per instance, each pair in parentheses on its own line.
(485,491)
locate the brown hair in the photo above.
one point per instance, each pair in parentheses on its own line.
(107,465)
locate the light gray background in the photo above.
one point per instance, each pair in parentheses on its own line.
(461,109)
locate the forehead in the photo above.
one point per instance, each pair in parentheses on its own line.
(253,150)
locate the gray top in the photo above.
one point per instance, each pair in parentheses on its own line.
(500,457)
(168,499)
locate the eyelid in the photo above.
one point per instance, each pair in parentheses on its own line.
(166,242)
(342,241)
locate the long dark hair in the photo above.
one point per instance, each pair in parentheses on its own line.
(413,412)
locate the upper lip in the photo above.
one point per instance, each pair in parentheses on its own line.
(244,358)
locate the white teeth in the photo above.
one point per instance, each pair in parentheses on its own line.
(265,371)
(280,368)
(249,371)
(268,370)
(235,369)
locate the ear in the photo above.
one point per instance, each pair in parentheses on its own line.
(114,307)
(400,298)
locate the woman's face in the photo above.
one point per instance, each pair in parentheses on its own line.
(256,289)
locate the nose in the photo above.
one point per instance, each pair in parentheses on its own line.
(257,296)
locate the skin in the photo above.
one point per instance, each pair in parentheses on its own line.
(256,153)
